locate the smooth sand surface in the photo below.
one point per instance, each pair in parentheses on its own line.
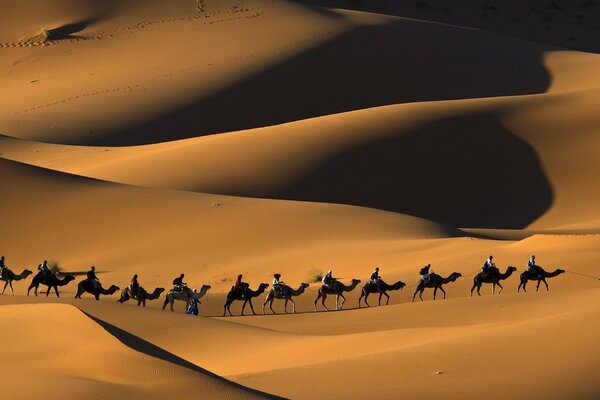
(220,137)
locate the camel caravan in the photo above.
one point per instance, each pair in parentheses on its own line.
(241,291)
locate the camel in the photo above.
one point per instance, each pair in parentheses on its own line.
(371,287)
(435,281)
(494,279)
(142,295)
(338,290)
(185,295)
(249,294)
(87,286)
(286,293)
(52,281)
(532,276)
(8,276)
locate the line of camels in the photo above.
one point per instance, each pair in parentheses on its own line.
(285,292)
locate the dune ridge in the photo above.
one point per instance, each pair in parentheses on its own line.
(225,137)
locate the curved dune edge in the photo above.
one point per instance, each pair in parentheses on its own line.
(76,355)
(322,159)
(212,87)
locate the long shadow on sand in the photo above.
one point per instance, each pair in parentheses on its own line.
(401,61)
(138,344)
(466,171)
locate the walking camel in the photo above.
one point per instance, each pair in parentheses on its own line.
(249,294)
(494,279)
(142,295)
(533,276)
(435,281)
(8,277)
(337,289)
(371,287)
(186,295)
(96,290)
(285,293)
(52,281)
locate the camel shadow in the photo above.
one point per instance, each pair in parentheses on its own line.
(138,344)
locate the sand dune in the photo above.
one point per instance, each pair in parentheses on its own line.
(385,158)
(75,357)
(273,136)
(349,60)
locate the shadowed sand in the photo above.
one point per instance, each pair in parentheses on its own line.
(271,136)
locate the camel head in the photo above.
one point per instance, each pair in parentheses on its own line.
(113,288)
(69,278)
(355,281)
(511,269)
(399,285)
(263,286)
(560,271)
(158,291)
(26,273)
(304,285)
(454,276)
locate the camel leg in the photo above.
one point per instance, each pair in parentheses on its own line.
(323,301)
(317,299)
(479,289)
(270,306)
(443,291)
(56,290)
(380,294)
(225,309)
(493,288)
(251,306)
(500,286)
(244,306)
(362,294)
(387,302)
(546,283)
(5,283)
(366,297)
(537,287)
(11,288)
(435,289)
(421,294)
(28,289)
(48,291)
(343,302)
(293,305)
(473,288)
(415,293)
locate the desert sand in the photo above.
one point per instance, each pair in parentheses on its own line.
(225,137)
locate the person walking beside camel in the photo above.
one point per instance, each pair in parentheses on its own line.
(192,308)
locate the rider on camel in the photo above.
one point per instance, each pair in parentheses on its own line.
(489,267)
(533,267)
(91,277)
(376,279)
(134,286)
(329,280)
(426,273)
(178,283)
(277,283)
